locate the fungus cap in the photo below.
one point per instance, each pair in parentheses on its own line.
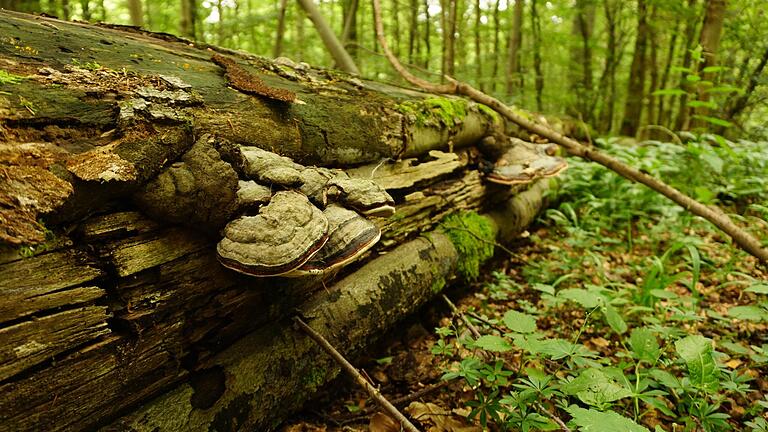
(349,236)
(284,235)
(526,162)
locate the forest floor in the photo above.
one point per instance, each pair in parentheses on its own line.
(618,311)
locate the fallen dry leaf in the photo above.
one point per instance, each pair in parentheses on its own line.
(381,422)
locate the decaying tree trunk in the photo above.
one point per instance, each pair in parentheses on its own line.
(113,319)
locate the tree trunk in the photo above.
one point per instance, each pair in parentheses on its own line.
(479,79)
(280,37)
(633,109)
(652,65)
(711,30)
(136,11)
(188,22)
(612,59)
(349,34)
(580,69)
(335,48)
(123,321)
(664,109)
(427,43)
(741,101)
(681,121)
(536,33)
(496,46)
(449,36)
(514,67)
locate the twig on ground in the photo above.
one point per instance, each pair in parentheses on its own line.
(410,397)
(351,370)
(554,418)
(463,317)
(485,321)
(743,238)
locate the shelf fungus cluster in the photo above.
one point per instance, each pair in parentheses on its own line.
(518,161)
(310,220)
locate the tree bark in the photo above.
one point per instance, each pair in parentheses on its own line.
(118,314)
(711,31)
(136,12)
(633,109)
(692,16)
(280,37)
(514,67)
(742,100)
(580,70)
(536,34)
(335,48)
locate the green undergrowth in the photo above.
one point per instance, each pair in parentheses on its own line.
(473,237)
(627,314)
(9,78)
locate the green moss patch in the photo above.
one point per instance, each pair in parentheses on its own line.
(473,237)
(437,111)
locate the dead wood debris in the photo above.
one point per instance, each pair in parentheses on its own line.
(246,82)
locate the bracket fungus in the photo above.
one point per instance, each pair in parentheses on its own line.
(525,162)
(364,195)
(284,235)
(349,236)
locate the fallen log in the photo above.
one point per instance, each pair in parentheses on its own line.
(114,309)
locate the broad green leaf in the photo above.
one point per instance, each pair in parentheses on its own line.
(758,288)
(593,387)
(669,92)
(696,266)
(724,89)
(704,194)
(493,343)
(748,313)
(714,120)
(615,320)
(713,69)
(696,351)
(591,420)
(692,78)
(713,161)
(583,297)
(735,348)
(663,294)
(519,322)
(555,348)
(666,379)
(644,345)
(701,104)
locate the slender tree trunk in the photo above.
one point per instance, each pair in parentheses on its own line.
(449,36)
(188,23)
(664,109)
(413,30)
(741,102)
(711,31)
(279,38)
(608,78)
(496,47)
(220,25)
(633,108)
(580,70)
(681,122)
(85,5)
(427,26)
(300,18)
(66,12)
(396,26)
(514,75)
(136,11)
(479,79)
(653,60)
(337,51)
(536,32)
(349,34)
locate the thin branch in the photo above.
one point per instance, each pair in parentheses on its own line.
(351,370)
(554,418)
(410,397)
(663,129)
(743,238)
(463,317)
